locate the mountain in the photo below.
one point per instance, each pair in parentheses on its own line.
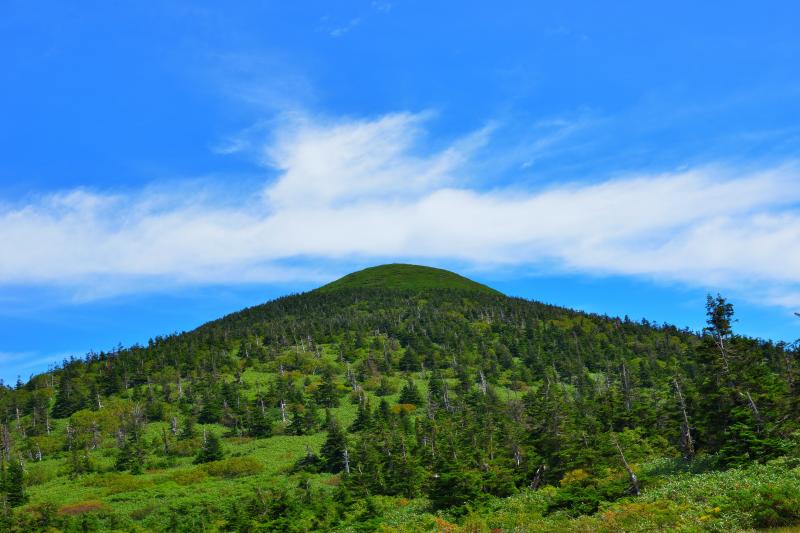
(405,277)
(405,398)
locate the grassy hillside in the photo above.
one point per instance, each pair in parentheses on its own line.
(435,408)
(405,277)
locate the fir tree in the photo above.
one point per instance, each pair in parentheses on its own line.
(188,431)
(68,399)
(211,449)
(327,394)
(212,409)
(261,425)
(333,450)
(410,394)
(297,424)
(363,417)
(310,419)
(385,388)
(132,454)
(15,484)
(410,360)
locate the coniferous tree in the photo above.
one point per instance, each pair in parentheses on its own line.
(297,424)
(310,419)
(261,425)
(132,453)
(334,449)
(212,409)
(211,449)
(363,417)
(385,388)
(69,398)
(15,484)
(409,362)
(410,394)
(188,431)
(327,394)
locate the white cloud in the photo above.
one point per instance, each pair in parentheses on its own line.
(341,30)
(366,188)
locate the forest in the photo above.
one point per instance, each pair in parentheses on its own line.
(410,399)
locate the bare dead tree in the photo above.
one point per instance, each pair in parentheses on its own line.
(631,475)
(687,443)
(753,408)
(538,477)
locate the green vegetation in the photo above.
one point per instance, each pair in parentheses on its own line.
(400,408)
(405,277)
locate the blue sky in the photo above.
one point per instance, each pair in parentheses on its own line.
(163,164)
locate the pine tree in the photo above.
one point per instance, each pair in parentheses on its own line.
(363,417)
(410,360)
(212,409)
(410,394)
(310,419)
(132,454)
(261,425)
(385,388)
(297,424)
(333,450)
(327,394)
(188,431)
(68,399)
(15,484)
(211,449)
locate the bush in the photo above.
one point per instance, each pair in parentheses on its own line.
(190,477)
(773,506)
(116,483)
(234,467)
(87,506)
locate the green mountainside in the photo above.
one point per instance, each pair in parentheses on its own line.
(405,277)
(405,398)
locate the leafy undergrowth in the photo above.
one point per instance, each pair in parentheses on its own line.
(206,498)
(755,498)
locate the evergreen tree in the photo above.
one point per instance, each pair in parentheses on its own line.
(132,453)
(310,419)
(297,425)
(410,360)
(211,449)
(69,399)
(333,450)
(15,484)
(385,388)
(327,394)
(410,394)
(363,417)
(261,425)
(188,431)
(212,409)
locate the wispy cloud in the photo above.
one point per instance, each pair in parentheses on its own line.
(371,189)
(341,30)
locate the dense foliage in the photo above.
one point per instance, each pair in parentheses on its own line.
(342,408)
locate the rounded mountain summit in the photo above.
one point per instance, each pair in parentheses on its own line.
(406,277)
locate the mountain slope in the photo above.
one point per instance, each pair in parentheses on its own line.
(376,405)
(405,277)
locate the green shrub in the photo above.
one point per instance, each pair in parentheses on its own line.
(234,467)
(771,506)
(189,477)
